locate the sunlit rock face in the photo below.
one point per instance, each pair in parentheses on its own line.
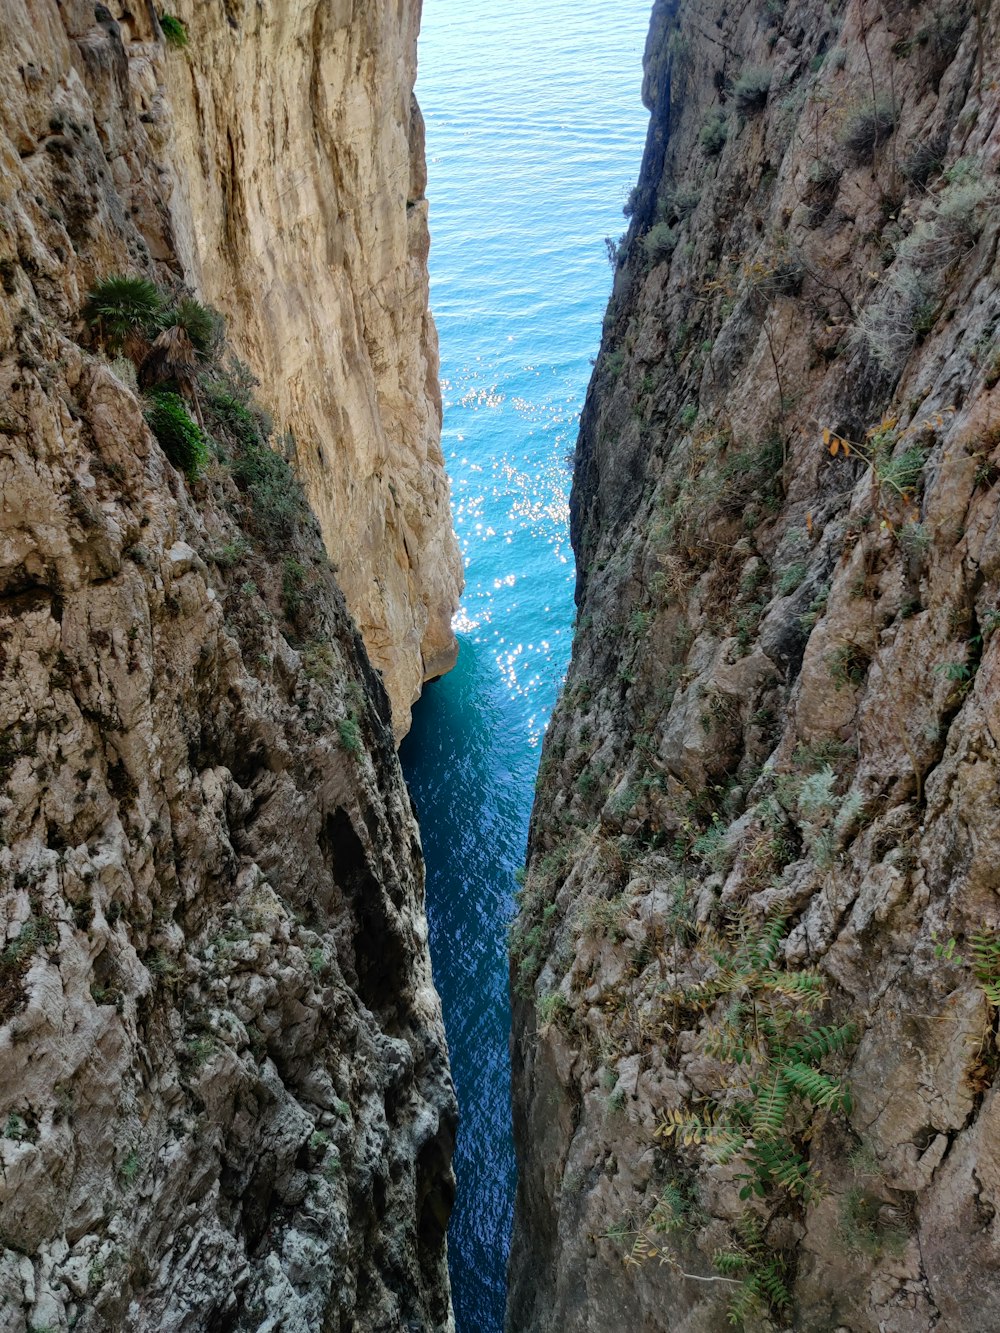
(224,1090)
(764,847)
(293,155)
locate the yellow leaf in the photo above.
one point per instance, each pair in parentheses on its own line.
(846,447)
(835,445)
(826,434)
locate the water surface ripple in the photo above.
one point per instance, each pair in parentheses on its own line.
(534,136)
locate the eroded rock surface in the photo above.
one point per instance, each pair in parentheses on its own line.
(224,1092)
(768,798)
(295,150)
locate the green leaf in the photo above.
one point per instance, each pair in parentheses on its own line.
(729,1261)
(819,1088)
(777,1162)
(819,1043)
(771,1105)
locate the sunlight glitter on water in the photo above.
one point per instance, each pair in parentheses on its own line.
(530,158)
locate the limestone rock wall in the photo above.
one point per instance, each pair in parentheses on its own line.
(224,1090)
(768,798)
(295,152)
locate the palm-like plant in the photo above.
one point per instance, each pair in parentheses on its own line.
(124,310)
(203,325)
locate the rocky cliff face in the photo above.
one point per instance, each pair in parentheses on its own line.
(295,153)
(288,188)
(224,1092)
(756,967)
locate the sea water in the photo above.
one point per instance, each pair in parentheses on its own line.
(534,136)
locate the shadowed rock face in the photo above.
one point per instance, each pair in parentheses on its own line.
(780,721)
(224,1091)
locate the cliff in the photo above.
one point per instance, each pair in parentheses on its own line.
(287,186)
(294,153)
(224,1090)
(757,959)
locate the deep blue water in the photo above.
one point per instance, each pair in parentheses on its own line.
(534,136)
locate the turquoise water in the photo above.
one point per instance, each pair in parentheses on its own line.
(534,136)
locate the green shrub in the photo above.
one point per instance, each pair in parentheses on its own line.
(552,1008)
(179,437)
(231,553)
(679,202)
(903,472)
(274,489)
(293,578)
(751,88)
(792,577)
(712,847)
(123,307)
(907,303)
(713,134)
(320,661)
(230,417)
(36,933)
(659,242)
(130,1167)
(198,1050)
(823,173)
(16,1128)
(952,225)
(275,494)
(349,734)
(174,31)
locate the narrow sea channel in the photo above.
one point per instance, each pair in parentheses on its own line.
(535,131)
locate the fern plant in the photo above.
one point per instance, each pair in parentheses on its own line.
(763,1023)
(674,1211)
(760,1271)
(984,955)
